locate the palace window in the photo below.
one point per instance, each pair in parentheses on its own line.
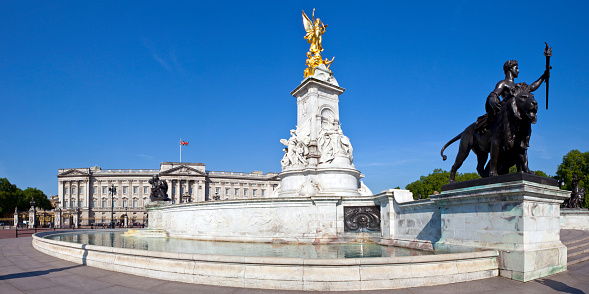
(263,192)
(103,203)
(73,204)
(103,190)
(236,192)
(124,203)
(254,192)
(81,190)
(173,190)
(134,203)
(135,190)
(93,203)
(181,190)
(125,190)
(244,192)
(144,190)
(94,190)
(65,204)
(81,203)
(227,191)
(73,190)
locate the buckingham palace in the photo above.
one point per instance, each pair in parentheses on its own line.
(84,197)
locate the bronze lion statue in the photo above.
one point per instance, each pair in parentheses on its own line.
(507,138)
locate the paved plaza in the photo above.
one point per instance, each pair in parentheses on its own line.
(26,270)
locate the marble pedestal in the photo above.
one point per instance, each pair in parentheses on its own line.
(320,182)
(517,214)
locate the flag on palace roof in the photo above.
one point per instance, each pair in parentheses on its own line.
(183,143)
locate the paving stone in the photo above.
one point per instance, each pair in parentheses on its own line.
(31,282)
(121,289)
(132,281)
(182,288)
(9,289)
(456,288)
(55,290)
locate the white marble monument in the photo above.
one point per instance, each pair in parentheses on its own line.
(318,157)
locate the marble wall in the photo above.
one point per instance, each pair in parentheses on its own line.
(574,218)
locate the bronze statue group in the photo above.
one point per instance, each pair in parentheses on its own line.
(502,135)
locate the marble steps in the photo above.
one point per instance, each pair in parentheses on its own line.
(578,253)
(578,259)
(573,244)
(576,245)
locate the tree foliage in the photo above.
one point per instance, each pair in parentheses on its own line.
(11,197)
(575,162)
(426,185)
(513,169)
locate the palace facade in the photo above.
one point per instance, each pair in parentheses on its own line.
(84,198)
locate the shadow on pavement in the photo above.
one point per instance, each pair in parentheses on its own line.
(35,273)
(560,286)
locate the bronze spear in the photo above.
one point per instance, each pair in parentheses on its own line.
(547,53)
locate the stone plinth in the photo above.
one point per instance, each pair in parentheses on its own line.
(32,217)
(517,214)
(574,218)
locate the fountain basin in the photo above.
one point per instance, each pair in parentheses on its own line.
(286,273)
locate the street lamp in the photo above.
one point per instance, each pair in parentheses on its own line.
(113,191)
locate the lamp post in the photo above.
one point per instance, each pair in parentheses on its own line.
(113,191)
(126,218)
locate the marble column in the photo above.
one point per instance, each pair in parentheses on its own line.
(170,185)
(178,196)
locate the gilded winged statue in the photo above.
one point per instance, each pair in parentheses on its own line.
(315,29)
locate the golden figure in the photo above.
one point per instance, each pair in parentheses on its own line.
(315,29)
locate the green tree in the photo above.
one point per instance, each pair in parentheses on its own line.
(426,185)
(33,193)
(574,162)
(9,195)
(513,169)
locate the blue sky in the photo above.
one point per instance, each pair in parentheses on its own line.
(118,83)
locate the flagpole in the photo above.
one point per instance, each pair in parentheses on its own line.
(180,149)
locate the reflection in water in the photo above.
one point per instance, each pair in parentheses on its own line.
(356,250)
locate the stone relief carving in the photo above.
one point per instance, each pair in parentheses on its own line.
(309,188)
(361,218)
(297,147)
(332,142)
